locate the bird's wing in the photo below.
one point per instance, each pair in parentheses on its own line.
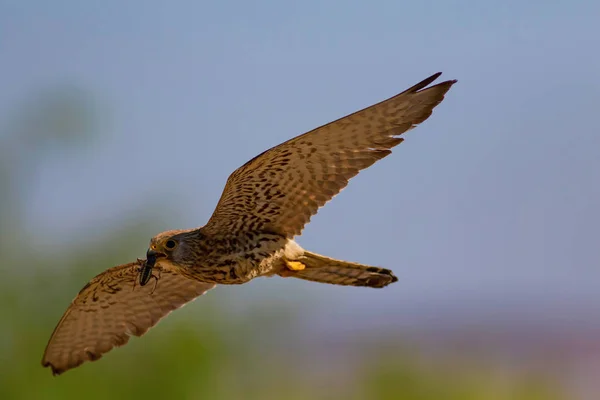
(279,190)
(109,309)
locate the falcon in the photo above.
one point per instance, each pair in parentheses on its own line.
(265,204)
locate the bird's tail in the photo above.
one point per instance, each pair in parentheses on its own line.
(318,268)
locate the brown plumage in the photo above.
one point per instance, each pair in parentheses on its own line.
(109,309)
(265,203)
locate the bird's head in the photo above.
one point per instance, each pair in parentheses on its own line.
(169,245)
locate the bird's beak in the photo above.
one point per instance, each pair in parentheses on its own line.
(151,256)
(151,253)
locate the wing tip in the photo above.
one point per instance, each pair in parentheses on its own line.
(427,81)
(55,370)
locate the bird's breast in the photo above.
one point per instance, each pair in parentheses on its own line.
(236,260)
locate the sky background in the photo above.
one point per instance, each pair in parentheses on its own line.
(490,205)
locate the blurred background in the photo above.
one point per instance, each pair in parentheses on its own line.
(119,120)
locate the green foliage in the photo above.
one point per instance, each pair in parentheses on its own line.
(388,377)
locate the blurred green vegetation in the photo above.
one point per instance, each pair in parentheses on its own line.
(196,352)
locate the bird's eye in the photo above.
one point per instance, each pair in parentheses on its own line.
(170,244)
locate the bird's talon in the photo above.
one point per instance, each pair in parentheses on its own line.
(295,265)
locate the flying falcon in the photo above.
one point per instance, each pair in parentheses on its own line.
(265,204)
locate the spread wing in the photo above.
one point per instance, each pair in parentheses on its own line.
(279,190)
(109,309)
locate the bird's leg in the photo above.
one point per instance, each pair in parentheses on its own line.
(294,265)
(290,269)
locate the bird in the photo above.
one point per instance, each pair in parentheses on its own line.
(265,204)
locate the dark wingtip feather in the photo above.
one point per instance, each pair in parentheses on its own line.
(55,371)
(425,82)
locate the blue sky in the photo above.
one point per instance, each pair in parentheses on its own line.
(493,198)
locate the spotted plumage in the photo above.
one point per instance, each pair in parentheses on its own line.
(265,204)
